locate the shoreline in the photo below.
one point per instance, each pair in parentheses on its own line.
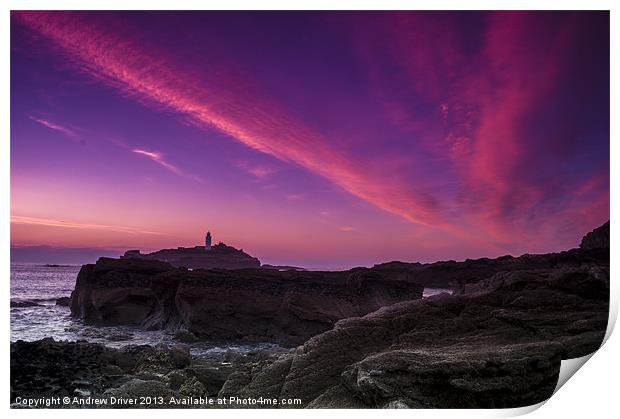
(497,341)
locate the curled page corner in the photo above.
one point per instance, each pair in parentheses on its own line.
(516,411)
(569,367)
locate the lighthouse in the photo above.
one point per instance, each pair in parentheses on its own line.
(208,241)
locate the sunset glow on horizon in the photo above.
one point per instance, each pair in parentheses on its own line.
(320,139)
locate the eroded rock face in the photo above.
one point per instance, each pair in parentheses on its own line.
(250,304)
(497,345)
(597,238)
(130,291)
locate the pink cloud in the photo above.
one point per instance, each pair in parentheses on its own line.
(256,122)
(18,219)
(158,158)
(54,126)
(486,102)
(259,172)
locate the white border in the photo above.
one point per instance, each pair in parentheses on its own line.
(591,393)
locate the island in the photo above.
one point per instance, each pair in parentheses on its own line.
(206,257)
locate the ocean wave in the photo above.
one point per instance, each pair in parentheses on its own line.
(35,302)
(24,303)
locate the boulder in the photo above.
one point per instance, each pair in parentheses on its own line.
(185,336)
(63,301)
(136,389)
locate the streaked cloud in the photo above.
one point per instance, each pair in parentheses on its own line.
(258,171)
(56,127)
(252,120)
(487,130)
(47,222)
(158,158)
(295,196)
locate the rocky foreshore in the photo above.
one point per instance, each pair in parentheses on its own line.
(499,344)
(495,342)
(82,374)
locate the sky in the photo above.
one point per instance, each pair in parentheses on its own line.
(318,139)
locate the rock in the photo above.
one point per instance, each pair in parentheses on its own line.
(185,336)
(113,370)
(455,275)
(24,303)
(235,383)
(499,344)
(118,337)
(63,301)
(193,388)
(50,368)
(219,256)
(593,251)
(176,378)
(151,376)
(457,377)
(241,305)
(496,342)
(284,307)
(179,355)
(213,377)
(597,238)
(156,360)
(116,291)
(136,388)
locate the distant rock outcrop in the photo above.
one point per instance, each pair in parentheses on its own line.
(282,267)
(219,256)
(248,304)
(597,238)
(452,274)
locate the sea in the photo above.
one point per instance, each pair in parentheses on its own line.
(35,314)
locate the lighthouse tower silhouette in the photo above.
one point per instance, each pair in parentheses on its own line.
(208,241)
